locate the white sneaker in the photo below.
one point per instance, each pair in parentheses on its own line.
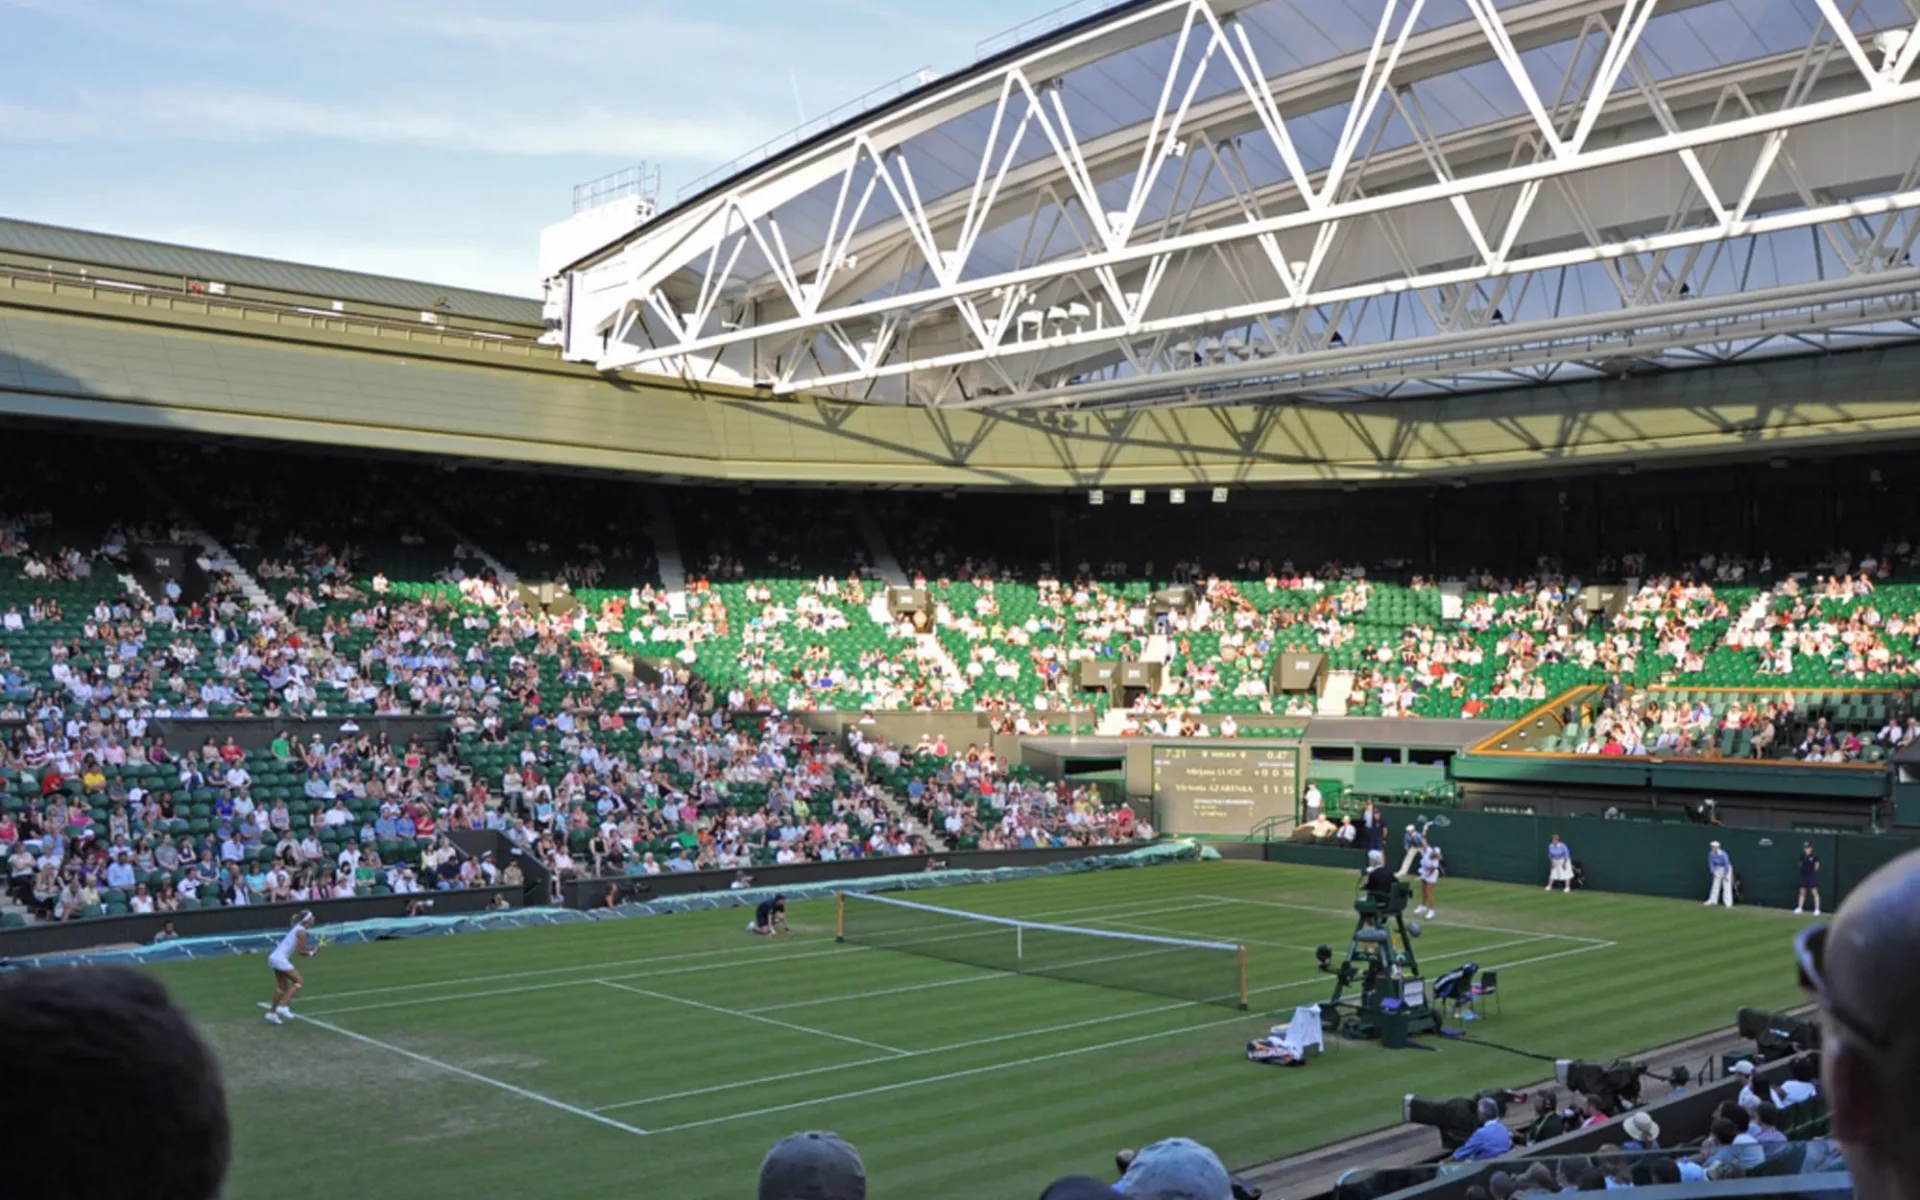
(284,1011)
(273,1017)
(1796,912)
(1548,888)
(1431,914)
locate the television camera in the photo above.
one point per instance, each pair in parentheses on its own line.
(1393,1001)
(1612,1082)
(1776,1035)
(1456,1118)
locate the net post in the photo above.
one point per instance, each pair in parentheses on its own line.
(1243,978)
(840,917)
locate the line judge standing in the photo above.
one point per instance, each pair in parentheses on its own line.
(1559,865)
(1720,865)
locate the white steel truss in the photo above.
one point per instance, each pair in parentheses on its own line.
(1259,232)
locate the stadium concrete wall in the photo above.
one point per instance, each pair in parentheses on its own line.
(1639,857)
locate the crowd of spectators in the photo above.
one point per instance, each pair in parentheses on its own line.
(975,800)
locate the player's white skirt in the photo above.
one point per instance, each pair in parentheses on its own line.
(1562,871)
(1429,877)
(280,962)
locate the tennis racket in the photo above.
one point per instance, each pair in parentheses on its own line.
(1440,821)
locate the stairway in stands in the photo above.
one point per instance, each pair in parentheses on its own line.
(878,552)
(666,543)
(1334,697)
(187,527)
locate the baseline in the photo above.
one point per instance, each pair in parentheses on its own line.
(755,952)
(1347,912)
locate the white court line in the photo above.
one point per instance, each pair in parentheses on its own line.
(583,968)
(747,1016)
(1340,912)
(951,1075)
(867,1062)
(567,983)
(489,1080)
(1187,933)
(1028,1033)
(892,991)
(1550,957)
(1059,1054)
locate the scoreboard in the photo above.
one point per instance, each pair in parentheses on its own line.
(1223,789)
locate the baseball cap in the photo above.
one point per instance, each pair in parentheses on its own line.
(1642,1128)
(1743,1067)
(813,1166)
(1177,1168)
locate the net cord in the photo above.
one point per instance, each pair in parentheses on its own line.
(1018,925)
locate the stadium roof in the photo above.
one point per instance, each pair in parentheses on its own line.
(1195,201)
(70,248)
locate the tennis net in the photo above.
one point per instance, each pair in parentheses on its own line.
(1195,971)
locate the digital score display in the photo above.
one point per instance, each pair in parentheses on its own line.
(1222,789)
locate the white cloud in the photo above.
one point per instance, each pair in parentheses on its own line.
(218,116)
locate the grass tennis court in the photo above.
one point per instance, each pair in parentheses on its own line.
(662,1055)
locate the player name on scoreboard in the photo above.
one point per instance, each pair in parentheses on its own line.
(1222,789)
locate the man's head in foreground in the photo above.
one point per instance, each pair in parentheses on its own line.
(1865,971)
(73,1039)
(813,1166)
(1176,1169)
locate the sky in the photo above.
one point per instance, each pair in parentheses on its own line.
(427,139)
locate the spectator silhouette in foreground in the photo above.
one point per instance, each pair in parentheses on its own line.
(813,1166)
(72,1037)
(1865,971)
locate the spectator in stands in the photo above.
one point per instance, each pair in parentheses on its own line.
(69,1038)
(1613,1166)
(1766,1129)
(1754,1090)
(1730,1142)
(1491,1139)
(1547,1121)
(1643,1133)
(1799,1086)
(1865,972)
(812,1166)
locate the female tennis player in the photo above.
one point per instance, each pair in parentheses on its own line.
(1430,867)
(286,979)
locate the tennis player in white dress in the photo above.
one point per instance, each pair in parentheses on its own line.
(286,977)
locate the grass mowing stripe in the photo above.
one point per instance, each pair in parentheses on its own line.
(892,991)
(747,1016)
(1027,1033)
(1129,924)
(951,1075)
(583,968)
(489,1080)
(1450,924)
(567,983)
(1550,957)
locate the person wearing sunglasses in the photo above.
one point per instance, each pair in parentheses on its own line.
(1864,970)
